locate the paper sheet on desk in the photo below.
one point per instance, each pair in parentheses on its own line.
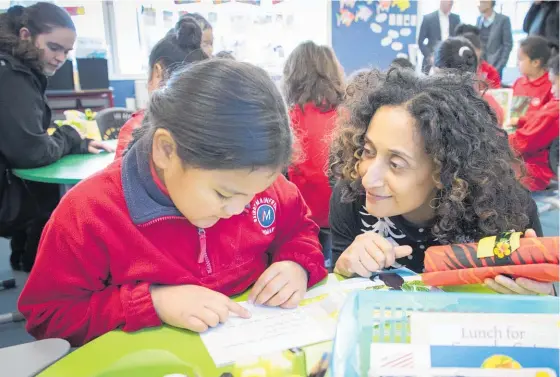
(268,330)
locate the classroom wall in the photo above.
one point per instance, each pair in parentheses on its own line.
(366,31)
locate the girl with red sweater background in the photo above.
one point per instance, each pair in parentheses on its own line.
(181,45)
(313,86)
(535,134)
(532,59)
(195,211)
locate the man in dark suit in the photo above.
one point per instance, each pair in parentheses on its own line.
(495,35)
(436,26)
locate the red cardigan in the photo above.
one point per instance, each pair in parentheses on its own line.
(125,134)
(487,72)
(539,90)
(313,129)
(531,141)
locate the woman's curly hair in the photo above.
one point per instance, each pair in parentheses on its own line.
(39,18)
(474,163)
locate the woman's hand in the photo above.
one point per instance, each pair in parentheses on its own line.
(96,147)
(193,307)
(282,284)
(369,253)
(522,286)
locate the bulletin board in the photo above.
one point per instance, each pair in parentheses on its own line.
(372,33)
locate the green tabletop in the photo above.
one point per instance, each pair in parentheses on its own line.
(70,169)
(165,350)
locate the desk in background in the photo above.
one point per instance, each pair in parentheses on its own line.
(70,169)
(62,100)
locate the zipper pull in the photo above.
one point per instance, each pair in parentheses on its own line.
(247,209)
(202,241)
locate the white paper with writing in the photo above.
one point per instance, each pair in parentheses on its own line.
(268,330)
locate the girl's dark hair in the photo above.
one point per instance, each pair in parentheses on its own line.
(181,45)
(225,55)
(536,48)
(553,65)
(40,18)
(222,114)
(202,22)
(456,53)
(312,74)
(402,63)
(474,39)
(473,160)
(462,29)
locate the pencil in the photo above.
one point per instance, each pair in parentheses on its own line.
(320,369)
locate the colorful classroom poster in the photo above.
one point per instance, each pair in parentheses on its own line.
(372,33)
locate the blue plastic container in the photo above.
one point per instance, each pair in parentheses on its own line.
(369,316)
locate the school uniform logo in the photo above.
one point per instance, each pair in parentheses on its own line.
(535,101)
(264,214)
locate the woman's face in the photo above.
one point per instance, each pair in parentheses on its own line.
(397,173)
(54,47)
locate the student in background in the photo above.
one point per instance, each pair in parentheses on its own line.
(207,40)
(535,134)
(34,44)
(313,86)
(459,54)
(532,60)
(485,70)
(421,162)
(196,210)
(181,45)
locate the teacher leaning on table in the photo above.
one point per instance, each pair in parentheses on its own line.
(34,43)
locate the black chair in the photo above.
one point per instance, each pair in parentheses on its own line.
(110,121)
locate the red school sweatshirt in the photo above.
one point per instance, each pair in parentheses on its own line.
(539,90)
(125,134)
(313,129)
(531,141)
(117,233)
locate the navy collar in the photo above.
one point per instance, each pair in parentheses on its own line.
(144,199)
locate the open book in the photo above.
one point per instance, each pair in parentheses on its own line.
(514,106)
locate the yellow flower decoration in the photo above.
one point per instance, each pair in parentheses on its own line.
(502,249)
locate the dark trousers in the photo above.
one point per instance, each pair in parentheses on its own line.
(38,202)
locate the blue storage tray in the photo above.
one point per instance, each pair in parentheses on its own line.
(369,316)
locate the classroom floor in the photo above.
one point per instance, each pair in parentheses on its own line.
(14,333)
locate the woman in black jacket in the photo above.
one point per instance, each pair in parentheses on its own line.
(34,43)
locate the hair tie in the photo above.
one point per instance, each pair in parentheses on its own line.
(463,49)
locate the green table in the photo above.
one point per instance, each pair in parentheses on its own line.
(162,351)
(69,170)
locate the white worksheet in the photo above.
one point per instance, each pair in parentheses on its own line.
(268,330)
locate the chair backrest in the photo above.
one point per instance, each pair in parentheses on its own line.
(553,155)
(110,121)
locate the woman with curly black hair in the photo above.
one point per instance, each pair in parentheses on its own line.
(421,161)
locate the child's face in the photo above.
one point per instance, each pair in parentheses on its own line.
(206,196)
(396,171)
(207,43)
(527,67)
(555,81)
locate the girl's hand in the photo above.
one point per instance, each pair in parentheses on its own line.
(513,121)
(96,147)
(193,307)
(522,286)
(282,284)
(368,253)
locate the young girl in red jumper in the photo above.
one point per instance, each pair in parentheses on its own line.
(197,210)
(532,59)
(181,45)
(535,134)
